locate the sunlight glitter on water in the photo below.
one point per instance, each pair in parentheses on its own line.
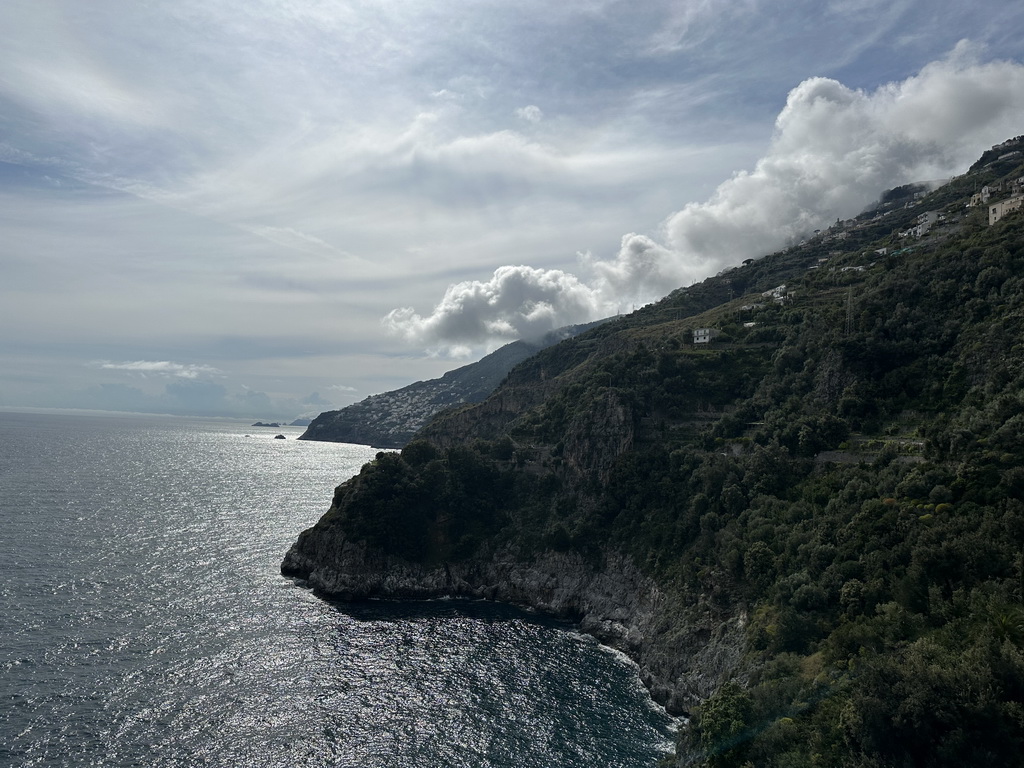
(144,622)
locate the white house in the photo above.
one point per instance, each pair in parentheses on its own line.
(704,335)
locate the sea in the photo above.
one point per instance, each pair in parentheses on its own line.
(144,622)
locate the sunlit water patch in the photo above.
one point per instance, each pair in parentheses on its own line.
(143,622)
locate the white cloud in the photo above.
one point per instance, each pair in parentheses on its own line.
(642,270)
(161,368)
(516,302)
(689,24)
(834,150)
(293,238)
(258,182)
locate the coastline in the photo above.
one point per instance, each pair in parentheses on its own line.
(682,654)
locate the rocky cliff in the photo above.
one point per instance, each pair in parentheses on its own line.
(681,662)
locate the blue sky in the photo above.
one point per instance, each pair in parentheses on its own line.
(269,209)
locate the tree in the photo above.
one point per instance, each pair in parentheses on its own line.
(722,728)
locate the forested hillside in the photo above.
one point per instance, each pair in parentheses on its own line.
(839,473)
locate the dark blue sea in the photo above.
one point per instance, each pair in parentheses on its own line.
(144,622)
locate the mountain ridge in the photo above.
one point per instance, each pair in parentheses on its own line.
(390,419)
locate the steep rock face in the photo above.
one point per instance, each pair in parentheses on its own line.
(487,420)
(681,661)
(593,443)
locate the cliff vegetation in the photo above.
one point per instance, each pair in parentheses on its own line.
(820,514)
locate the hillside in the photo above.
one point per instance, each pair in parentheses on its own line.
(390,419)
(808,532)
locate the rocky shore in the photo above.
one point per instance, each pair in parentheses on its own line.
(683,654)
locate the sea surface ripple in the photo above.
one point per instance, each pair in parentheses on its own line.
(144,622)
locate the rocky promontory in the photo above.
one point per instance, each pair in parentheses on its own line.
(681,663)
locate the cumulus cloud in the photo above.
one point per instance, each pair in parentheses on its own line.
(833,151)
(641,270)
(517,302)
(160,367)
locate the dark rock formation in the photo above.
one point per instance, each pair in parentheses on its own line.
(681,662)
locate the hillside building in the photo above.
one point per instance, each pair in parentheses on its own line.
(996,211)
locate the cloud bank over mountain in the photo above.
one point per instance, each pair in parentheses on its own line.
(834,149)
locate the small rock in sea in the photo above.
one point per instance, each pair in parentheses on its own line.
(279,437)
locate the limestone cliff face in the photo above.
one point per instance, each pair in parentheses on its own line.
(682,660)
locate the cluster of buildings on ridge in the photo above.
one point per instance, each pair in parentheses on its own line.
(1014,187)
(998,209)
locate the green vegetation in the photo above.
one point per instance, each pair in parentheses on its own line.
(848,472)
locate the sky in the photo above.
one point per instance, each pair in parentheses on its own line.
(272,208)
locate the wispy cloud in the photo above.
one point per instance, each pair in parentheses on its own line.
(293,238)
(260,181)
(160,368)
(688,25)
